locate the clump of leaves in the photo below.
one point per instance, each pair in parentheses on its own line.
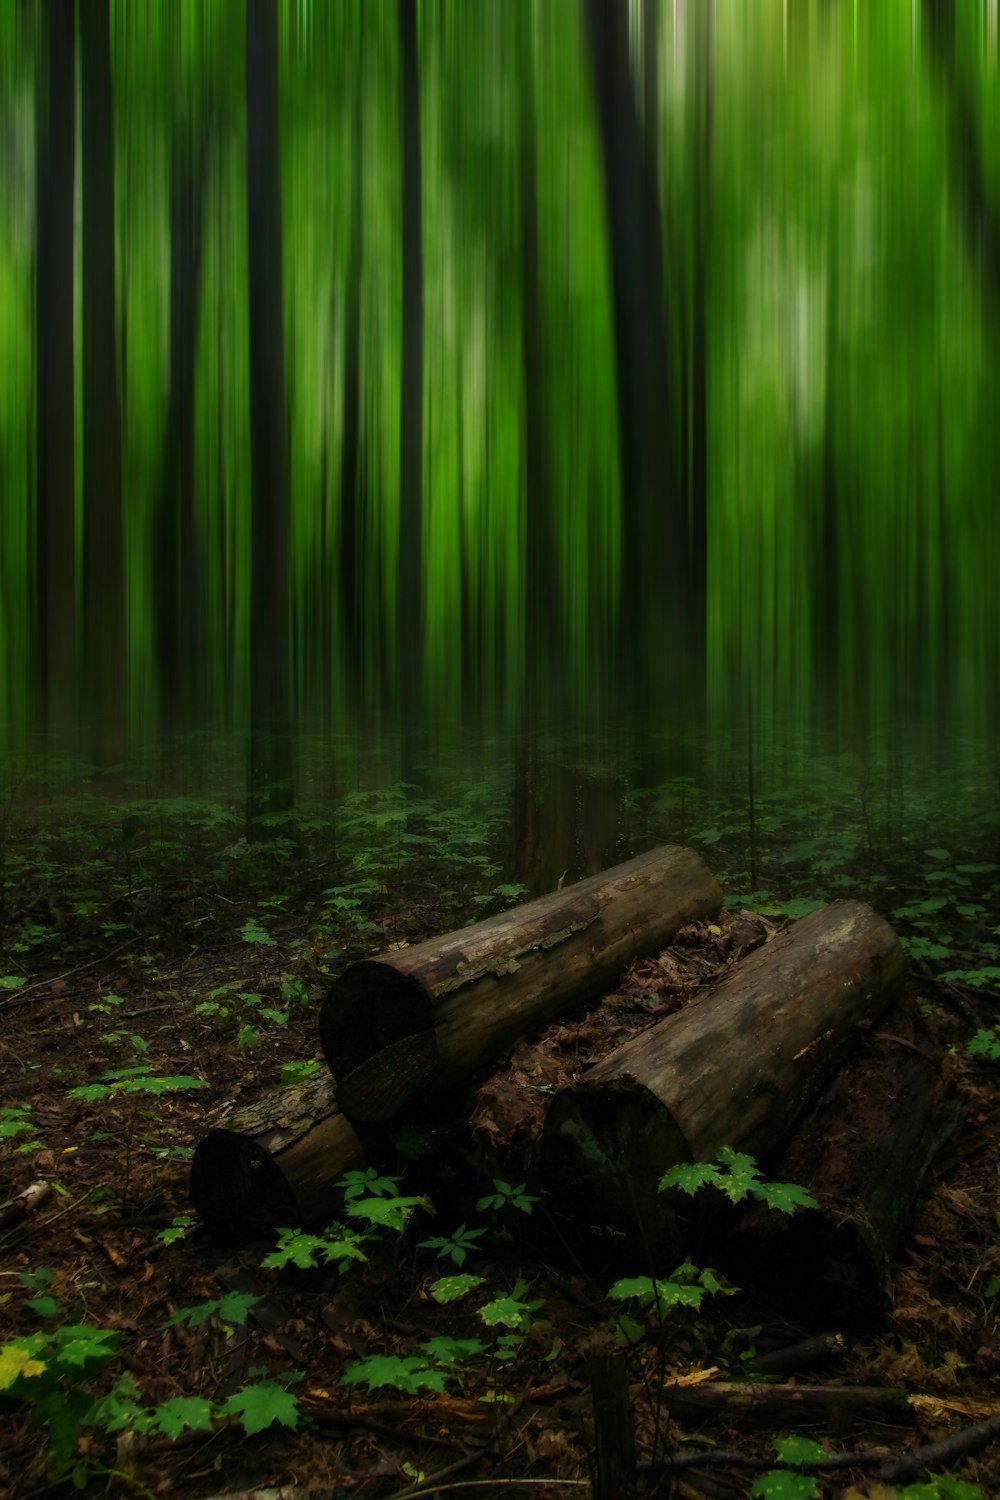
(16,1120)
(504,1196)
(985,1043)
(736,1175)
(137,1080)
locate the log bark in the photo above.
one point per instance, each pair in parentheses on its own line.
(397,1028)
(272,1164)
(862,1151)
(734,1069)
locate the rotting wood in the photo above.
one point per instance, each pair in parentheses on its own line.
(614,1437)
(271,1163)
(397,1028)
(16,1210)
(735,1401)
(862,1151)
(734,1069)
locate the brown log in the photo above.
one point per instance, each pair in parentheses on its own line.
(734,1069)
(862,1151)
(272,1164)
(397,1028)
(837,1405)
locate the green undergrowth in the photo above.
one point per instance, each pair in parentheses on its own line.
(67,1373)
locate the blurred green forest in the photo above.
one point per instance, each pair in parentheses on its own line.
(394,374)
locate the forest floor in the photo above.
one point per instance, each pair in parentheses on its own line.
(182,971)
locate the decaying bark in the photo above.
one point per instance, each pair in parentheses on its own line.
(272,1164)
(735,1069)
(862,1152)
(397,1028)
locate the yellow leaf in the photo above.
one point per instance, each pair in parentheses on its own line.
(17,1362)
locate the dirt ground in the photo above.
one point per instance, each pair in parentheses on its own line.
(115,1172)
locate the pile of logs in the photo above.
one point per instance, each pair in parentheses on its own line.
(806,1055)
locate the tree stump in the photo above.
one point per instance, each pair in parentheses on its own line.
(734,1069)
(570,822)
(397,1028)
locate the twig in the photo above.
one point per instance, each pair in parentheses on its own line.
(22,996)
(960,1445)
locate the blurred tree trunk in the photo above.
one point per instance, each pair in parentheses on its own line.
(103,553)
(409,602)
(352,551)
(655,542)
(177,566)
(270,771)
(54,186)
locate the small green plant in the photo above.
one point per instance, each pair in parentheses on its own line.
(451,1288)
(176,1230)
(294,1073)
(252,932)
(737,1178)
(306,1251)
(505,1196)
(686,1286)
(454,1246)
(510,1309)
(985,1043)
(137,1080)
(230,1309)
(16,1120)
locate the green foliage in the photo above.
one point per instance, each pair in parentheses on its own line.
(305,1251)
(505,1196)
(252,932)
(232,1307)
(779,1484)
(138,1080)
(261,1405)
(737,1178)
(687,1286)
(510,1309)
(294,1073)
(16,1120)
(985,1043)
(407,1373)
(451,1288)
(176,1230)
(455,1246)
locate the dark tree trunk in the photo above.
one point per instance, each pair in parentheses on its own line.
(735,1069)
(409,602)
(540,541)
(177,567)
(54,371)
(352,499)
(655,586)
(103,555)
(270,779)
(397,1028)
(698,479)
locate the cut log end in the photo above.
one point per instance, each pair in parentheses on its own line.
(608,1150)
(238,1191)
(377,1006)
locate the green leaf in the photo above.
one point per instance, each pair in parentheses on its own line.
(799,1450)
(19,1361)
(409,1374)
(183,1411)
(450,1288)
(689,1176)
(233,1307)
(784,1196)
(445,1351)
(779,1484)
(259,1406)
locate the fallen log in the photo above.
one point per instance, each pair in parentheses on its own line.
(862,1151)
(272,1163)
(397,1028)
(734,1069)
